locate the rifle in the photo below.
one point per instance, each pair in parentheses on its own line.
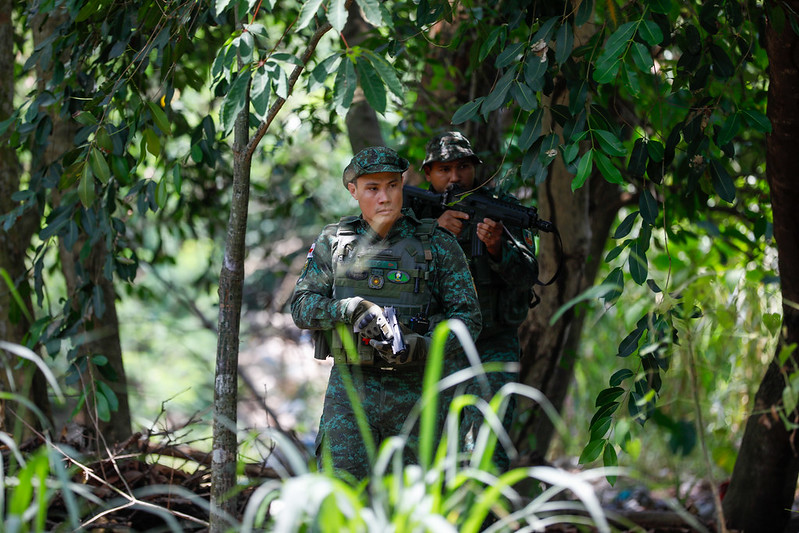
(428,204)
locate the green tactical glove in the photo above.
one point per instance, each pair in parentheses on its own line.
(368,320)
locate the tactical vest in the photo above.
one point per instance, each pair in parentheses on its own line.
(500,305)
(397,275)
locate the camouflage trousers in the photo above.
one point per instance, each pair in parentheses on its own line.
(387,398)
(502,347)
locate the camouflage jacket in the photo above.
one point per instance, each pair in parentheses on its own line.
(452,288)
(504,285)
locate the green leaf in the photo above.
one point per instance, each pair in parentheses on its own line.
(89,9)
(177,180)
(196,153)
(618,41)
(386,72)
(660,6)
(564,40)
(151,142)
(619,376)
(638,158)
(547,151)
(629,78)
(607,168)
(639,267)
(642,57)
(626,226)
(102,406)
(757,120)
(544,32)
(509,55)
(524,96)
(532,130)
(337,14)
(584,12)
(307,13)
(592,451)
(260,91)
(606,69)
(655,150)
(614,279)
(161,194)
(103,140)
(467,111)
(650,32)
(583,170)
(99,165)
(729,129)
(570,152)
(722,65)
(345,84)
(159,117)
(287,58)
(648,206)
(629,344)
(244,44)
(4,125)
(221,5)
(609,143)
(497,97)
(86,187)
(534,70)
(722,182)
(600,428)
(372,86)
(234,101)
(490,41)
(85,118)
(371,11)
(608,395)
(610,460)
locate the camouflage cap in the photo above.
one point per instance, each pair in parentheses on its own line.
(449,146)
(373,160)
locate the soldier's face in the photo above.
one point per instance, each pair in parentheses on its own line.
(380,199)
(458,172)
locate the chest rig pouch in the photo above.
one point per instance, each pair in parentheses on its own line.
(394,273)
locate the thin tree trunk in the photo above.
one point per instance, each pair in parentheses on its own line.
(763,482)
(231,286)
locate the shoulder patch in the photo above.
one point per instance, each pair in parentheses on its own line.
(528,238)
(308,258)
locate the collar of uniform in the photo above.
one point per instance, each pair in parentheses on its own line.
(405,225)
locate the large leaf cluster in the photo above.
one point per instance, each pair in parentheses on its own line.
(665,101)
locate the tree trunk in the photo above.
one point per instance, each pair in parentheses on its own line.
(363,127)
(101,327)
(763,482)
(13,245)
(231,286)
(549,352)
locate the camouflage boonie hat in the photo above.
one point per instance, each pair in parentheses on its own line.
(373,160)
(449,146)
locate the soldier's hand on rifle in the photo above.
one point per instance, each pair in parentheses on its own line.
(453,221)
(490,232)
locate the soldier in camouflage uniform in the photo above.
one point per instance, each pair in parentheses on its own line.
(355,270)
(504,276)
